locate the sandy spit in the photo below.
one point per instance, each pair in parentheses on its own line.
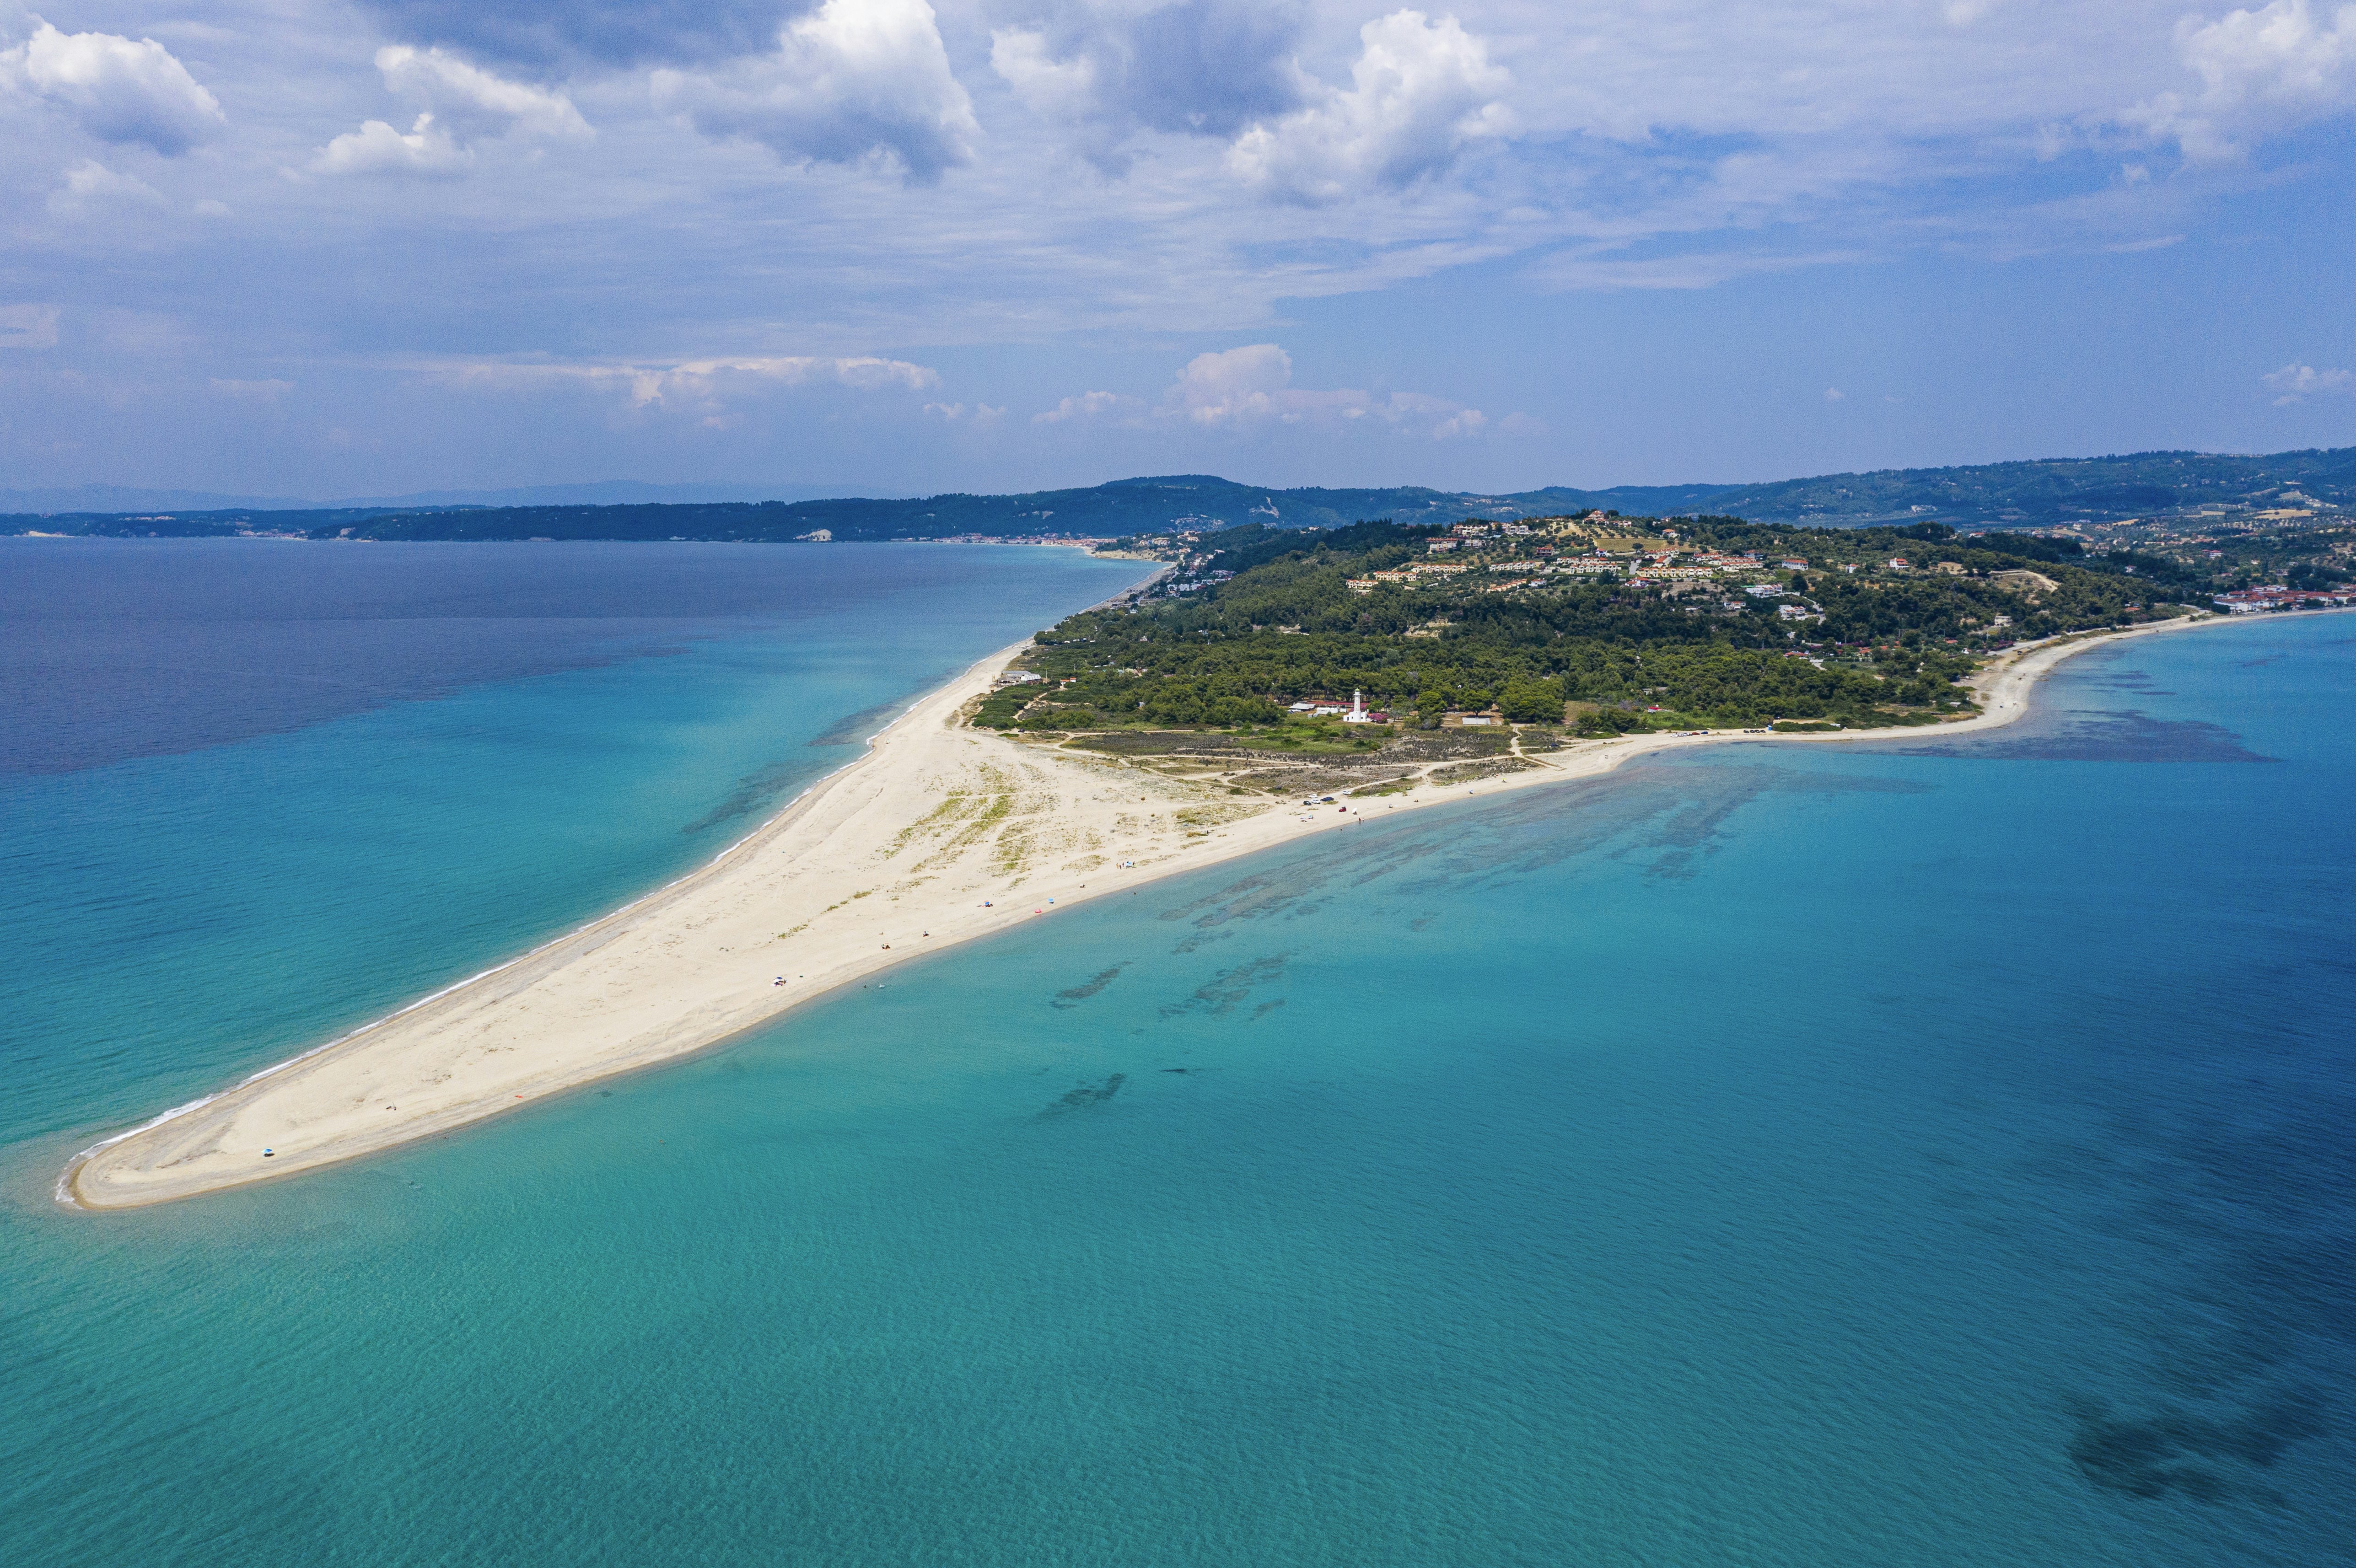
(938,835)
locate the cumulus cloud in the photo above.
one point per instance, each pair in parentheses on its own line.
(2296,382)
(1242,385)
(28,326)
(1065,87)
(426,149)
(2261,71)
(461,103)
(120,91)
(1420,93)
(855,80)
(91,184)
(1248,387)
(473,100)
(1108,69)
(1089,406)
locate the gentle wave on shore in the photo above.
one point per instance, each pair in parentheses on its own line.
(1767,1155)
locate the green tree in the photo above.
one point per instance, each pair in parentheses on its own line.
(1529,701)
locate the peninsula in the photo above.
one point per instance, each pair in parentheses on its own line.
(1146,739)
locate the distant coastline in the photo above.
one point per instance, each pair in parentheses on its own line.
(2055,492)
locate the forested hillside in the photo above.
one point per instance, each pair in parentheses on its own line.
(1607,627)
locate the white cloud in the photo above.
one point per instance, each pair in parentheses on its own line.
(706,386)
(120,90)
(979,414)
(706,378)
(1239,385)
(1063,88)
(28,326)
(1835,395)
(461,103)
(473,101)
(2295,381)
(2261,72)
(376,148)
(1421,91)
(1108,69)
(91,184)
(854,82)
(1248,387)
(1089,405)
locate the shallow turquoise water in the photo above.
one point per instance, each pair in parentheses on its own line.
(1777,1156)
(179,919)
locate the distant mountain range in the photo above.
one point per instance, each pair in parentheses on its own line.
(2049,491)
(1999,495)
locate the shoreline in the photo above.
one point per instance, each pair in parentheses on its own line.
(968,815)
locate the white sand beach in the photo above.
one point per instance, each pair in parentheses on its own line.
(941,834)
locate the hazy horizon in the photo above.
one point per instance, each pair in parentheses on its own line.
(624,492)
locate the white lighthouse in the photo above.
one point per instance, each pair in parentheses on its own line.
(1358,714)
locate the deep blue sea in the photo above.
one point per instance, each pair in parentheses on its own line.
(1779,1155)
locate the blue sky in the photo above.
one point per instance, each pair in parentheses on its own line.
(314,246)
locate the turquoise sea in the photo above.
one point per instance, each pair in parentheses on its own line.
(1779,1155)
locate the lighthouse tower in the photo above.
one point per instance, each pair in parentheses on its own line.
(1358,714)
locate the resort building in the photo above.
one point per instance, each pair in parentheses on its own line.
(2252,601)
